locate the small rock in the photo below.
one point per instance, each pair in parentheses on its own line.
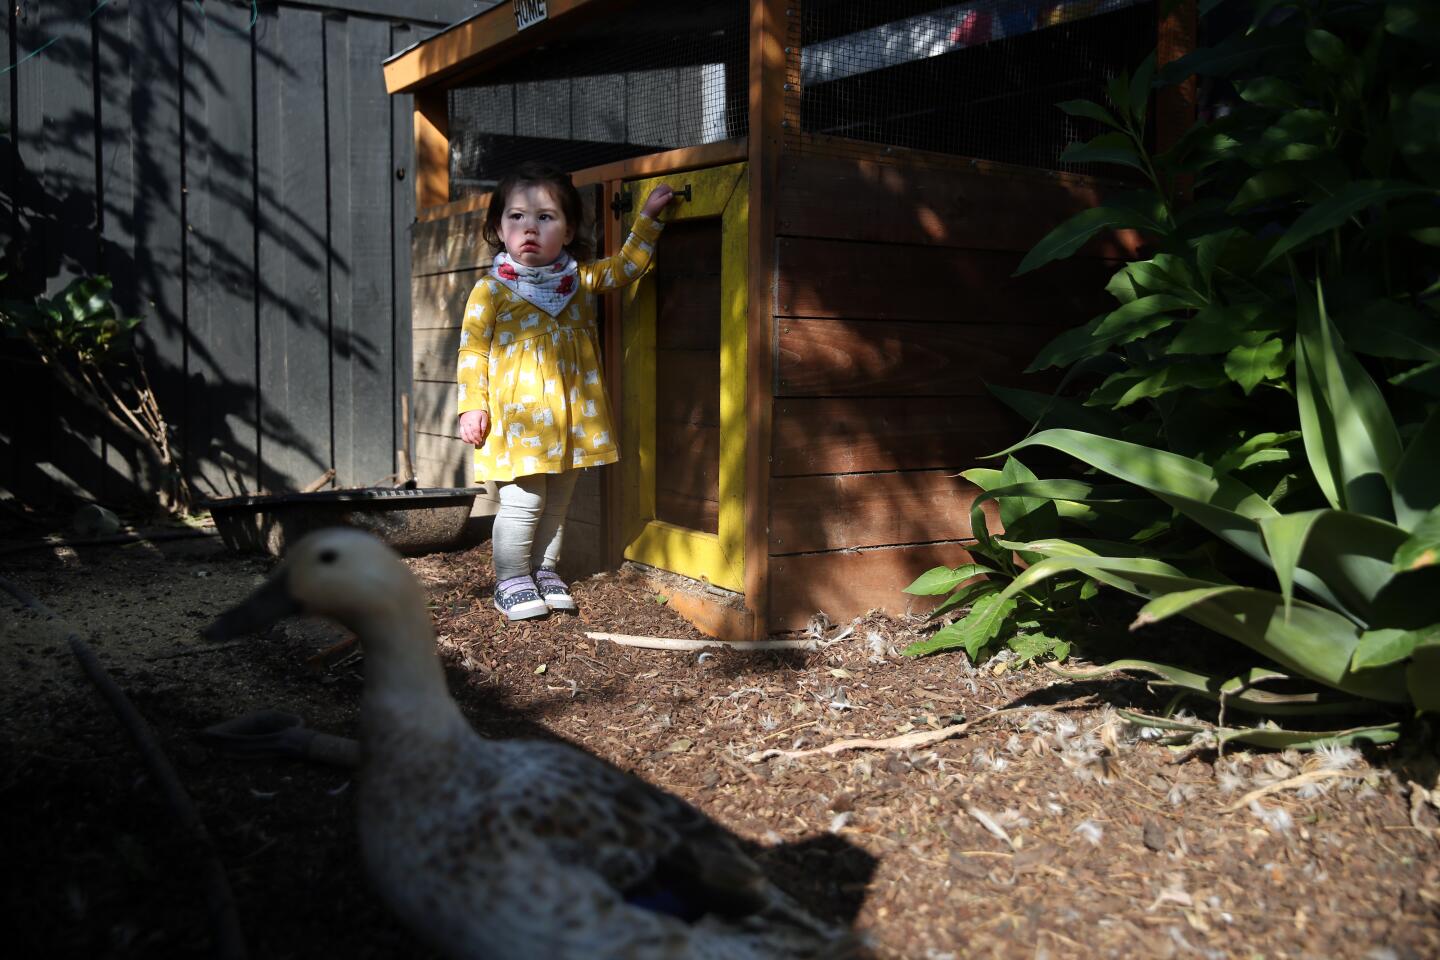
(1153,835)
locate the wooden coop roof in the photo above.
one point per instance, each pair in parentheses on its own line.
(480,42)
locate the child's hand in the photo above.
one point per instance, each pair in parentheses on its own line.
(474,426)
(659,198)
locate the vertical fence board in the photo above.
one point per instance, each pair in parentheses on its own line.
(196,69)
(340,262)
(368,324)
(126,475)
(294,323)
(221,434)
(156,205)
(402,220)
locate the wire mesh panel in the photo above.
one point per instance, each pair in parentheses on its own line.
(978,79)
(656,76)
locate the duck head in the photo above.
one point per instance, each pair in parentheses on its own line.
(340,573)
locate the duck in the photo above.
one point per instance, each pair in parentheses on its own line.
(504,849)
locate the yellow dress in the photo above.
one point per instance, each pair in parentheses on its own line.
(539,375)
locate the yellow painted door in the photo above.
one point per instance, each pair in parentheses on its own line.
(683,371)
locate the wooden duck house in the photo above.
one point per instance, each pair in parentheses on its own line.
(803,372)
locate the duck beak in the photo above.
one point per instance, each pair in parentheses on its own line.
(266,605)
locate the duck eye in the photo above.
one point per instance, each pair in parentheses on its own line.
(328,556)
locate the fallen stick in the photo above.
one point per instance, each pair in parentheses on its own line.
(669,643)
(230,942)
(1296,781)
(908,741)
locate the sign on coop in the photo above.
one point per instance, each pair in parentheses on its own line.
(529,12)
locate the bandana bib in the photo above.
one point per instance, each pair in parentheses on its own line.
(549,287)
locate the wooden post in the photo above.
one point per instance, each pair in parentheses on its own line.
(769,26)
(432,148)
(1175,106)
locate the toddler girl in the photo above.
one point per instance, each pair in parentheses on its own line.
(531,401)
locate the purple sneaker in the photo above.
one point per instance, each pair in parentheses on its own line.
(556,593)
(519,599)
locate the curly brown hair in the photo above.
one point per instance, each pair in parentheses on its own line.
(558,181)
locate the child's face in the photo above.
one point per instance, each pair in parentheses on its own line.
(533,227)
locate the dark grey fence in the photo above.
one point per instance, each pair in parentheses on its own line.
(241,174)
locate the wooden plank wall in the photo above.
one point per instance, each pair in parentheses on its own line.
(448,256)
(894,306)
(243,185)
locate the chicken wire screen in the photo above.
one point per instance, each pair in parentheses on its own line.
(655,76)
(978,79)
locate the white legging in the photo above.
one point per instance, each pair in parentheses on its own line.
(530,524)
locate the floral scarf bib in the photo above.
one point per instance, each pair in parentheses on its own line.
(549,287)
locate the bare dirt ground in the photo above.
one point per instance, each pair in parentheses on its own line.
(1054,830)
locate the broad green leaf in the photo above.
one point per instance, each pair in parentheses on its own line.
(1350,552)
(1416,20)
(1422,547)
(1422,676)
(973,633)
(1350,438)
(1308,640)
(1081,342)
(1140,90)
(1381,648)
(1424,379)
(1270,92)
(1028,646)
(1217,328)
(1243,697)
(1090,110)
(1121,390)
(1113,148)
(1208,250)
(1074,233)
(1248,365)
(965,595)
(1328,50)
(1122,318)
(1121,286)
(1335,211)
(1385,328)
(1262,448)
(1416,492)
(938,580)
(1014,507)
(1048,410)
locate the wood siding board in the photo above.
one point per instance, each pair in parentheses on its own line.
(435,351)
(433,409)
(827,278)
(439,298)
(862,435)
(192,411)
(349,423)
(442,246)
(898,358)
(684,510)
(814,514)
(893,202)
(851,583)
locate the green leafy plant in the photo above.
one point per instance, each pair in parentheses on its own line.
(1027,622)
(1351,606)
(87,344)
(1326,164)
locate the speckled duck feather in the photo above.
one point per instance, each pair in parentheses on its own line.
(516,849)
